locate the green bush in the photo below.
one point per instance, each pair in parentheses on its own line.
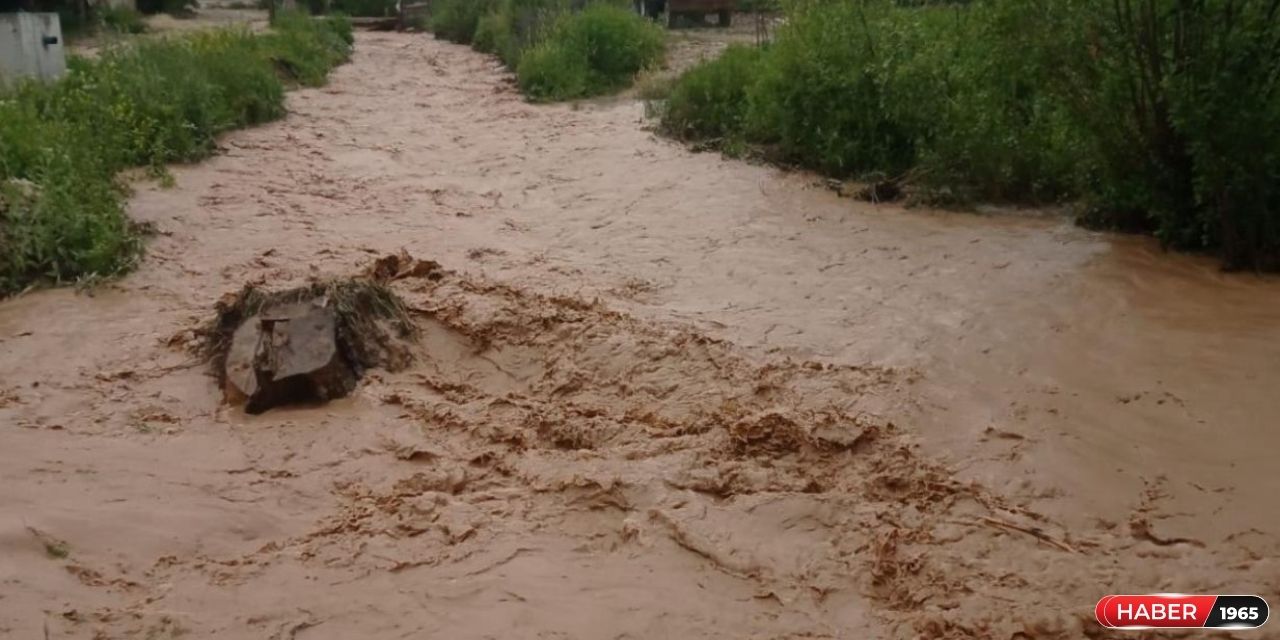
(251,91)
(1179,104)
(514,26)
(560,49)
(138,104)
(711,100)
(1161,116)
(985,123)
(825,96)
(305,48)
(591,52)
(493,35)
(456,20)
(61,215)
(936,93)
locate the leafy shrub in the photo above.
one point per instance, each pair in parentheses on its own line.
(711,100)
(986,125)
(456,20)
(1179,103)
(856,88)
(825,96)
(1162,115)
(304,49)
(514,26)
(250,91)
(493,35)
(592,52)
(61,216)
(140,104)
(560,49)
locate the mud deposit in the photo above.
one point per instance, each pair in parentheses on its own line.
(655,394)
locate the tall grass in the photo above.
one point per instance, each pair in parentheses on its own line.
(143,103)
(1160,116)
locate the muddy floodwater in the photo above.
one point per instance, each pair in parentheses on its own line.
(658,394)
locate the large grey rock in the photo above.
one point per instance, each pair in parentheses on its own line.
(287,354)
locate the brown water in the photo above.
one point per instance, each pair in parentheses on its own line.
(611,429)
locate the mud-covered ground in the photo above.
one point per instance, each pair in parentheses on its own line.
(658,394)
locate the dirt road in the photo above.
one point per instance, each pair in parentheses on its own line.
(659,394)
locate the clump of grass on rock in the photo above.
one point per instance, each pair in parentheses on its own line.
(306,344)
(370,316)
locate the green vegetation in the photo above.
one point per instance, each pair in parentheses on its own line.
(558,53)
(595,51)
(510,27)
(122,20)
(709,102)
(456,20)
(1179,106)
(850,89)
(305,49)
(143,103)
(1160,116)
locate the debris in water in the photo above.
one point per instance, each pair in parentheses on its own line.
(874,188)
(402,265)
(880,188)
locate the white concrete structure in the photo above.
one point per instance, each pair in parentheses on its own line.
(31,46)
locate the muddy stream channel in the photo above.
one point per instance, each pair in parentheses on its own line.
(658,394)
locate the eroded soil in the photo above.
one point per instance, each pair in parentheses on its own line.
(658,394)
